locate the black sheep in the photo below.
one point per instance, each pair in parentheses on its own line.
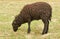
(35,11)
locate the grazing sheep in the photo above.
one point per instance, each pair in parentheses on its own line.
(35,11)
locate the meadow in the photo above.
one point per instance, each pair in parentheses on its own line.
(10,8)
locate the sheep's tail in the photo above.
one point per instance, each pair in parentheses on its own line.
(50,15)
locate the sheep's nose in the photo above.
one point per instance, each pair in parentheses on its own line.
(15,29)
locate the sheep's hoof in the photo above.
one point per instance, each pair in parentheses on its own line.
(43,33)
(28,31)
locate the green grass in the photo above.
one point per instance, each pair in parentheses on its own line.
(9,9)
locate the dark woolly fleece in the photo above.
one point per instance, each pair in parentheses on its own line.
(35,11)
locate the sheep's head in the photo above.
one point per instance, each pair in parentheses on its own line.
(15,24)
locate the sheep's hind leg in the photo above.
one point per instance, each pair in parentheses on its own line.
(29,26)
(46,26)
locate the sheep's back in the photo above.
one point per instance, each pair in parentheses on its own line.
(36,10)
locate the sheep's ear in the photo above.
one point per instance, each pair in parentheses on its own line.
(14,22)
(16,16)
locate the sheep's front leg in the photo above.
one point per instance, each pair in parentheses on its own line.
(46,26)
(29,26)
